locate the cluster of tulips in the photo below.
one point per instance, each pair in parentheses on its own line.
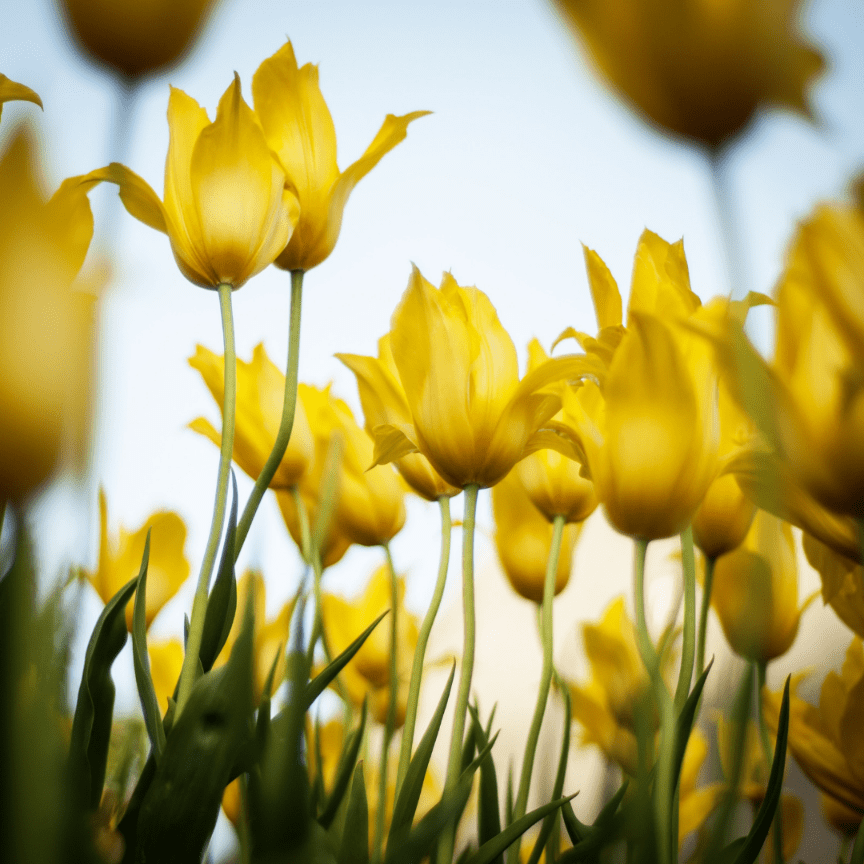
(667,418)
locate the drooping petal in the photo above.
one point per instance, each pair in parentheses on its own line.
(136,193)
(12,91)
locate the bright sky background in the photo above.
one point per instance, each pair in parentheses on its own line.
(526,156)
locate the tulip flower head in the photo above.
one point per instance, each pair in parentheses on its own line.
(226,211)
(260,388)
(299,129)
(120,559)
(842,582)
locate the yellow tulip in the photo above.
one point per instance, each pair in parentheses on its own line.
(12,91)
(300,130)
(260,389)
(695,803)
(471,416)
(842,818)
(136,37)
(120,559)
(826,740)
(523,537)
(46,324)
(369,670)
(270,638)
(384,401)
(552,481)
(755,591)
(166,661)
(842,582)
(226,212)
(697,69)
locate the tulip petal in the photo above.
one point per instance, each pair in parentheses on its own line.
(604,290)
(661,281)
(392,443)
(381,395)
(12,91)
(136,193)
(69,219)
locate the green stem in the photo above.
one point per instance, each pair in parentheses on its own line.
(199,603)
(286,424)
(390,723)
(454,763)
(422,640)
(703,613)
(664,786)
(545,681)
(768,752)
(688,644)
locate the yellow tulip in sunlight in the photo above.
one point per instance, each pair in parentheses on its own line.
(369,670)
(166,661)
(471,416)
(552,481)
(299,129)
(46,324)
(136,37)
(384,401)
(754,783)
(12,91)
(120,559)
(226,211)
(270,637)
(260,389)
(842,582)
(698,69)
(523,537)
(826,741)
(755,591)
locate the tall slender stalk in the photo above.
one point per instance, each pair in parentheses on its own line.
(768,753)
(688,646)
(422,640)
(545,681)
(390,723)
(719,162)
(703,613)
(199,603)
(286,424)
(454,763)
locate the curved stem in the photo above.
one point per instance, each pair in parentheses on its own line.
(688,645)
(545,680)
(422,640)
(390,723)
(703,614)
(454,763)
(286,424)
(768,752)
(664,787)
(199,604)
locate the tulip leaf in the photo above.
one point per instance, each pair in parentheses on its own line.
(686,719)
(587,840)
(344,771)
(222,602)
(491,849)
(409,795)
(552,819)
(91,727)
(488,813)
(746,850)
(318,684)
(262,724)
(355,834)
(146,691)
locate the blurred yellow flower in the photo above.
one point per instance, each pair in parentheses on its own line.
(12,91)
(269,636)
(755,591)
(369,670)
(842,582)
(523,537)
(120,559)
(842,818)
(46,325)
(552,481)
(166,661)
(826,741)
(260,393)
(226,212)
(299,129)
(136,37)
(384,401)
(695,803)
(754,783)
(471,416)
(698,69)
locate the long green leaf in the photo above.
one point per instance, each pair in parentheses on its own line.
(355,835)
(686,719)
(488,812)
(344,771)
(94,710)
(319,684)
(141,661)
(412,785)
